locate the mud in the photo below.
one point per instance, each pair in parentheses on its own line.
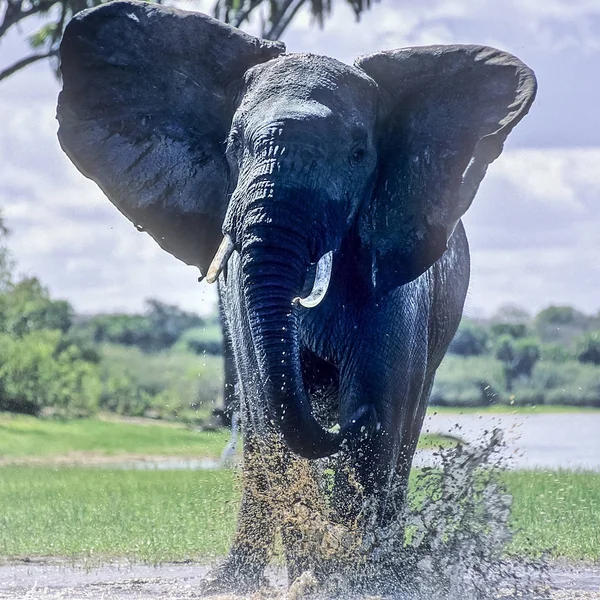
(181,581)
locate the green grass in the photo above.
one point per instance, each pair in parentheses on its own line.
(162,516)
(556,511)
(23,436)
(100,514)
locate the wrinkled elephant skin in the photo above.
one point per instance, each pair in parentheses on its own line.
(326,200)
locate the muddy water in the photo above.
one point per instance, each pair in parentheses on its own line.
(126,582)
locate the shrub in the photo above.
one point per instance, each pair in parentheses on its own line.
(518,357)
(201,340)
(588,348)
(555,352)
(471,339)
(561,324)
(163,383)
(37,372)
(26,306)
(513,330)
(472,381)
(570,383)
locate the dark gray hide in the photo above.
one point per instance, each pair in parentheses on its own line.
(447,111)
(145,110)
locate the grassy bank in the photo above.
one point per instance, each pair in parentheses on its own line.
(177,515)
(23,437)
(29,439)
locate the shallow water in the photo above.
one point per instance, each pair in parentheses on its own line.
(126,581)
(533,441)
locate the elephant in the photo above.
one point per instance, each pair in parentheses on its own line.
(325,200)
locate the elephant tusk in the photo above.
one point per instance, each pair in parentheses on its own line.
(220,260)
(322,277)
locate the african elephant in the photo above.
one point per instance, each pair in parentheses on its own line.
(326,200)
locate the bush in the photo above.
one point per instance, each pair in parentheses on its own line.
(26,306)
(516,331)
(561,324)
(201,340)
(37,371)
(569,383)
(162,384)
(588,349)
(471,339)
(518,357)
(554,352)
(473,381)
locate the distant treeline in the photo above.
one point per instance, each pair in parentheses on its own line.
(167,362)
(514,358)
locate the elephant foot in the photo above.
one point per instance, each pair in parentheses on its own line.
(234,577)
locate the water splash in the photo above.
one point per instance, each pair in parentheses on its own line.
(450,542)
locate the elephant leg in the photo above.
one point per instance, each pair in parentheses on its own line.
(243,569)
(304,520)
(369,485)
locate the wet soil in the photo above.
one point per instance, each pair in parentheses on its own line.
(124,581)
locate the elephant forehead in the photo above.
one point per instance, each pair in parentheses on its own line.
(325,80)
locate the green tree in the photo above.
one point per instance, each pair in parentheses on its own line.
(37,371)
(588,348)
(514,330)
(26,306)
(159,328)
(275,17)
(471,339)
(518,357)
(168,322)
(561,324)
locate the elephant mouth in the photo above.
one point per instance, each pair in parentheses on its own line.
(322,383)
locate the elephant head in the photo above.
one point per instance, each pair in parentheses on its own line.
(201,133)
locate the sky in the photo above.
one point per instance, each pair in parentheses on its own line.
(534,227)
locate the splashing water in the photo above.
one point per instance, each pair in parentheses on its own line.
(449,543)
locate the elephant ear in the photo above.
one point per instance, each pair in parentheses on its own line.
(144,112)
(447,111)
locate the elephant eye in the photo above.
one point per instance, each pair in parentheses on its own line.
(234,141)
(358,154)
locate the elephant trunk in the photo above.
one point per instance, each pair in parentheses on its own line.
(274,264)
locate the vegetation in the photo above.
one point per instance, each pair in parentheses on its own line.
(27,439)
(514,359)
(24,437)
(164,516)
(149,516)
(167,363)
(556,512)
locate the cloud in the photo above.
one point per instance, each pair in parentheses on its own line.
(532,229)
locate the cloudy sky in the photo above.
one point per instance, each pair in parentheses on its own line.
(534,227)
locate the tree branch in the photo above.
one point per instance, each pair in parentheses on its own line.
(14,14)
(283,20)
(243,15)
(24,62)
